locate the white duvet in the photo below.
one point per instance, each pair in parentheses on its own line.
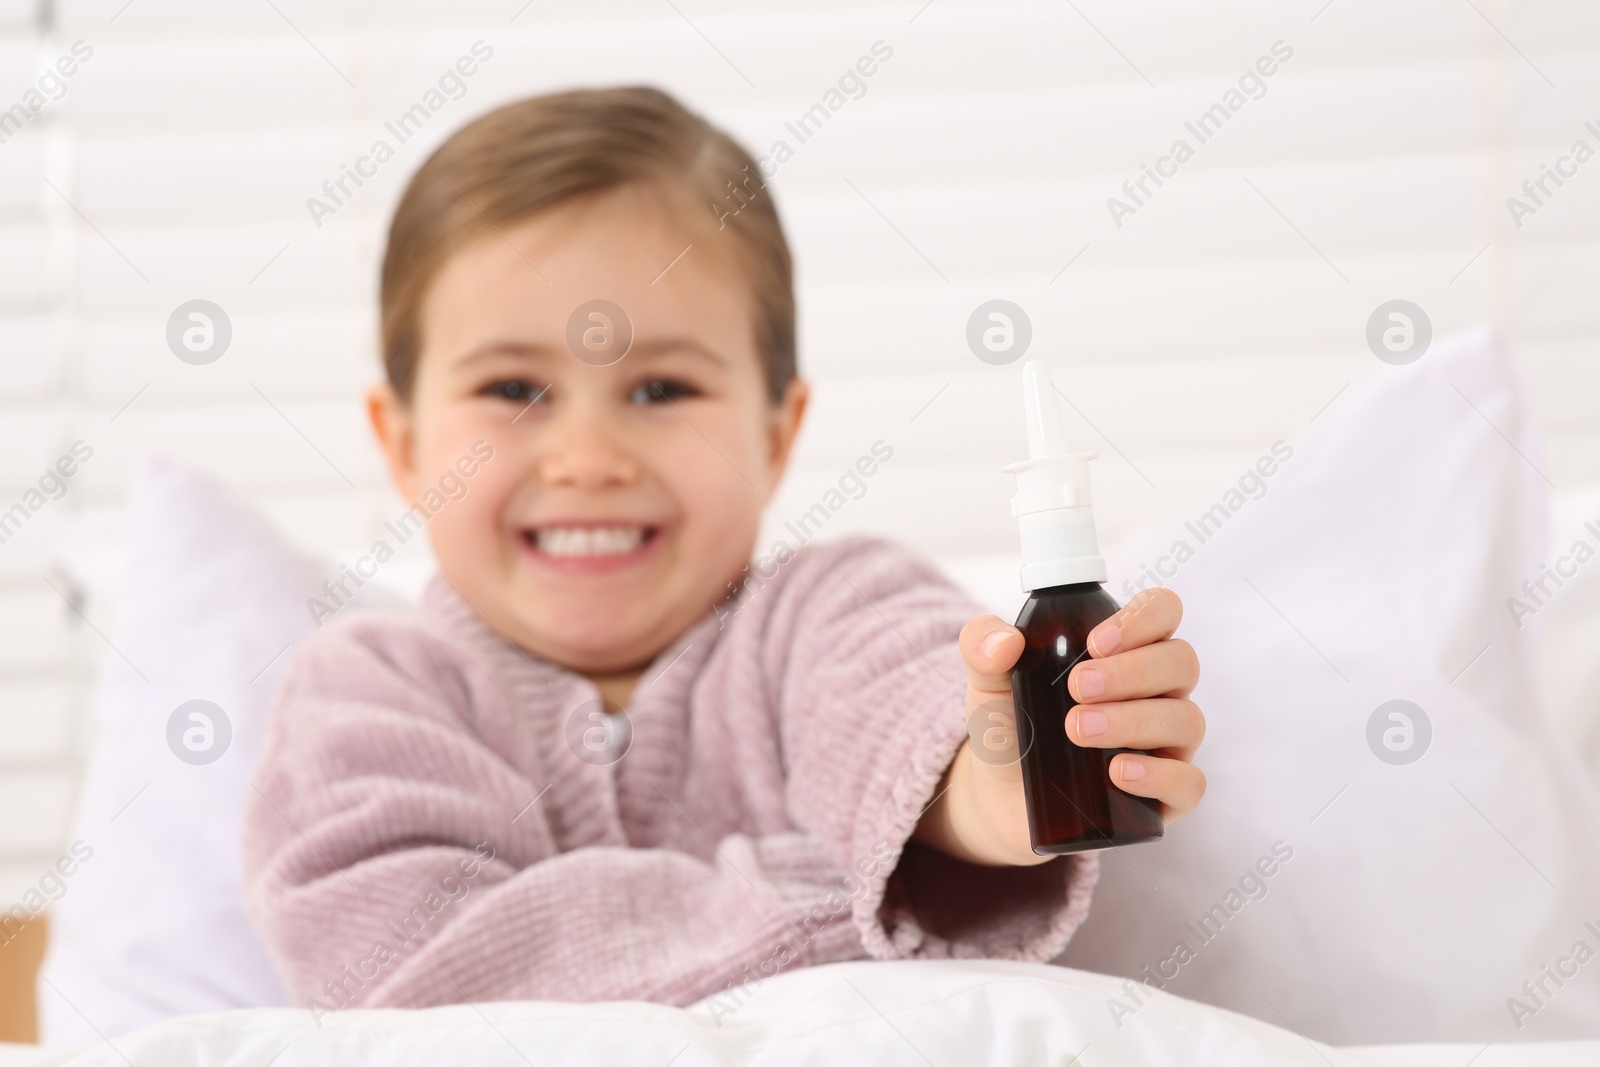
(936,1014)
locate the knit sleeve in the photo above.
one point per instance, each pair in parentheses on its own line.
(393,858)
(872,709)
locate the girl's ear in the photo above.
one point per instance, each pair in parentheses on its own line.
(392,426)
(784,425)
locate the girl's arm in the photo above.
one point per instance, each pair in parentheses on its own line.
(873,701)
(393,858)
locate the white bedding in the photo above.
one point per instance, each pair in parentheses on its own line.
(922,1013)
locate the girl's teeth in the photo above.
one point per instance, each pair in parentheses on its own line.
(589,540)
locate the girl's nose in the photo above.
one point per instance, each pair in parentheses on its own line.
(586,450)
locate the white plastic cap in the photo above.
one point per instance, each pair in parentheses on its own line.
(1054,513)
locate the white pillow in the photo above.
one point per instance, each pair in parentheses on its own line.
(209,598)
(1568,604)
(1419,898)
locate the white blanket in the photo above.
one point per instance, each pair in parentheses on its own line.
(926,1014)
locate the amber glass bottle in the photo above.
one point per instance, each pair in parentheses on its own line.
(1072,804)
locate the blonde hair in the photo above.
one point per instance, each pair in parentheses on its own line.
(527,156)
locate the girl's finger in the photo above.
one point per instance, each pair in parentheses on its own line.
(990,648)
(1178,785)
(1175,726)
(1152,615)
(1167,668)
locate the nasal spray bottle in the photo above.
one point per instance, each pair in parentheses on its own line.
(1072,804)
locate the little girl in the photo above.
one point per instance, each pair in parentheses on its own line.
(581,768)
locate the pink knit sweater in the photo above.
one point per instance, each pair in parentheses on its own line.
(422,831)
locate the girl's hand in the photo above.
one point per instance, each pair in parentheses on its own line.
(1133,692)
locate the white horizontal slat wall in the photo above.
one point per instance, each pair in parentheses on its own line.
(1223,315)
(45,665)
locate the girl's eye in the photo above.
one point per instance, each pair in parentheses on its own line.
(515,389)
(661,390)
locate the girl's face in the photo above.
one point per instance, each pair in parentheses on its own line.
(621,497)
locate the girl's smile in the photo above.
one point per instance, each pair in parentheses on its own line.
(590,546)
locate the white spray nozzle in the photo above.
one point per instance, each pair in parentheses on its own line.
(1052,504)
(1046,436)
